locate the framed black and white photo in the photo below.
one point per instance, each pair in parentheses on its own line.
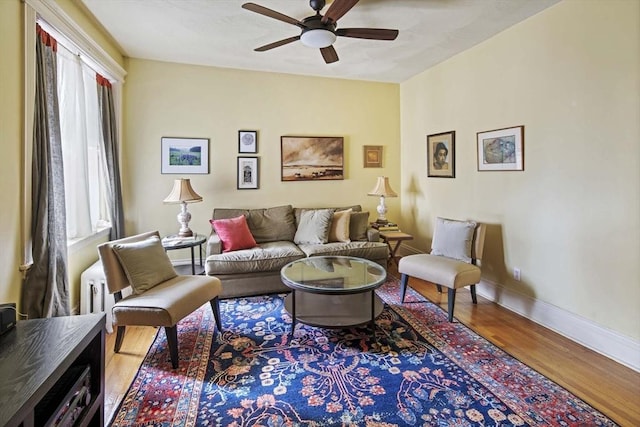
(247,141)
(501,149)
(247,173)
(441,155)
(185,155)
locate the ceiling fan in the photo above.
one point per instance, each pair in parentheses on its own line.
(321,31)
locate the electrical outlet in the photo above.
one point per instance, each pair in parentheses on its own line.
(516,273)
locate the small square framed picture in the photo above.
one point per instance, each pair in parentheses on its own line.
(441,155)
(247,173)
(247,141)
(373,156)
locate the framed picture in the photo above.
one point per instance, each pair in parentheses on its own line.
(373,156)
(501,149)
(185,155)
(247,141)
(441,155)
(312,158)
(247,173)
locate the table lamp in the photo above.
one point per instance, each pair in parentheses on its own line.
(183,193)
(382,189)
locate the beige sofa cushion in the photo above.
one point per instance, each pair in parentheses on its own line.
(368,250)
(266,225)
(272,224)
(270,256)
(145,263)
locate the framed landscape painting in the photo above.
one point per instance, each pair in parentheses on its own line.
(312,158)
(185,155)
(441,155)
(501,149)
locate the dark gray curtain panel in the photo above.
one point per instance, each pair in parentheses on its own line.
(45,291)
(110,139)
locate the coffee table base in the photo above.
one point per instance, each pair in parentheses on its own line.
(333,311)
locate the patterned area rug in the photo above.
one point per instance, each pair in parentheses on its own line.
(420,370)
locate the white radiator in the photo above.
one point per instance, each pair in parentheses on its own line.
(94,294)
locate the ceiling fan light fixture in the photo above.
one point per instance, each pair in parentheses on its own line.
(318,38)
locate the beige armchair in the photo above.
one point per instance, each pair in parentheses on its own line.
(456,248)
(160,297)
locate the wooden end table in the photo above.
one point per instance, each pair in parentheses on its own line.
(397,237)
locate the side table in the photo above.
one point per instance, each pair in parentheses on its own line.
(170,243)
(397,237)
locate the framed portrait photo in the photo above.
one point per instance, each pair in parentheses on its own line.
(312,158)
(441,155)
(501,149)
(247,173)
(185,155)
(247,141)
(373,156)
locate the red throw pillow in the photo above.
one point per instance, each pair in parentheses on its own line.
(234,233)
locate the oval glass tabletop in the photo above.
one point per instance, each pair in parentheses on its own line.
(333,275)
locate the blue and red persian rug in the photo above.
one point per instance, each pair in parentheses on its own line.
(420,371)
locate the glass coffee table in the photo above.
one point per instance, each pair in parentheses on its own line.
(333,291)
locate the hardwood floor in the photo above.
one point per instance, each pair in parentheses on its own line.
(606,385)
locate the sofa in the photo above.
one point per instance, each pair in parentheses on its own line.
(247,248)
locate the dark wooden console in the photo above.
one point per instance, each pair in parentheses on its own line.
(42,361)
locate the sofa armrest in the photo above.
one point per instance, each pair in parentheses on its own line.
(373,235)
(214,244)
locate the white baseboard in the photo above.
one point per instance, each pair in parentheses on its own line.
(583,331)
(609,343)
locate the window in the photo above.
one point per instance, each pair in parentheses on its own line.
(84,177)
(84,186)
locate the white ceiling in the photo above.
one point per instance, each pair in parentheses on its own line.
(220,33)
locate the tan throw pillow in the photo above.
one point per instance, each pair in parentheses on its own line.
(314,226)
(358,225)
(145,263)
(339,230)
(453,239)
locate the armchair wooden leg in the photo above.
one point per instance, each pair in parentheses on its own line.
(403,286)
(452,302)
(119,338)
(474,298)
(172,340)
(215,307)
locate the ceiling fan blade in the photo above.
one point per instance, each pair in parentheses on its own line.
(272,14)
(276,44)
(329,54)
(337,9)
(368,33)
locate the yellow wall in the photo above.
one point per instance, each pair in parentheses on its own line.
(571,220)
(11,105)
(163,99)
(11,141)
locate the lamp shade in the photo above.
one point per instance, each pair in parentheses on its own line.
(382,188)
(182,192)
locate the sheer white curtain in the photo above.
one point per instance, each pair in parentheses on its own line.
(80,134)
